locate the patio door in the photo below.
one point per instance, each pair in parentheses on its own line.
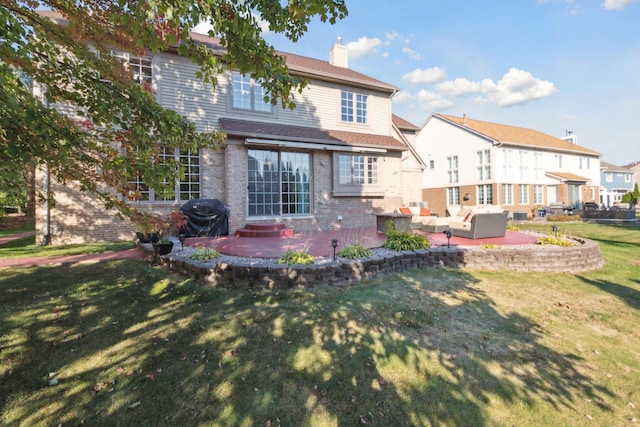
(552,193)
(278,183)
(574,195)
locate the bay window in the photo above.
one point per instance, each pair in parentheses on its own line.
(357,174)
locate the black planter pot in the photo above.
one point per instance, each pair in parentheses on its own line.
(163,248)
(147,237)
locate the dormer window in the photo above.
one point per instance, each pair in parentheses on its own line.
(248,94)
(354,107)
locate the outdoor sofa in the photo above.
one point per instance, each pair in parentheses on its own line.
(457,217)
(481,223)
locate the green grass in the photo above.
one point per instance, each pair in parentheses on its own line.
(21,229)
(27,248)
(130,344)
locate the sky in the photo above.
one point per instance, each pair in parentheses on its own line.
(555,66)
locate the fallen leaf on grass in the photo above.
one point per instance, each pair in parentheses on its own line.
(133,405)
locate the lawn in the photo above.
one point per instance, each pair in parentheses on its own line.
(126,343)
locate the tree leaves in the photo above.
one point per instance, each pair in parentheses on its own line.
(69,59)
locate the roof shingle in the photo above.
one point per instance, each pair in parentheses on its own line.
(512,135)
(251,129)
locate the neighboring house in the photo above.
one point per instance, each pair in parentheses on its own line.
(330,163)
(635,168)
(472,162)
(615,182)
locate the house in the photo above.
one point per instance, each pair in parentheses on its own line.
(635,168)
(473,162)
(615,182)
(330,163)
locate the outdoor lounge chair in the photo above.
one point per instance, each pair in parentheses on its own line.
(481,225)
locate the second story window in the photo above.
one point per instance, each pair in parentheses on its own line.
(452,163)
(248,94)
(558,158)
(353,107)
(139,67)
(537,165)
(585,163)
(483,161)
(507,164)
(523,157)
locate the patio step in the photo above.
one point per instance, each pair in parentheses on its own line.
(276,229)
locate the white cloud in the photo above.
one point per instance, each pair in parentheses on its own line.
(516,87)
(432,101)
(363,47)
(412,53)
(425,76)
(392,35)
(459,87)
(264,25)
(616,4)
(205,26)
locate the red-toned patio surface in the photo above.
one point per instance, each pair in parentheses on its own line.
(318,243)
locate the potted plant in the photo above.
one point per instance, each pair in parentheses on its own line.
(163,246)
(173,224)
(146,234)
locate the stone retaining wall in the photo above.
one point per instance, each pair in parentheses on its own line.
(342,272)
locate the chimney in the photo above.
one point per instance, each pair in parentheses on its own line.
(464,119)
(338,55)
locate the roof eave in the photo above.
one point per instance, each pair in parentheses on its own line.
(311,140)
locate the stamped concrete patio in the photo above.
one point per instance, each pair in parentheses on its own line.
(318,243)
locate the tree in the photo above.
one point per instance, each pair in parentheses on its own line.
(72,61)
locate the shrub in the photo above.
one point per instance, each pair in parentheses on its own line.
(291,257)
(403,240)
(549,240)
(354,251)
(512,227)
(205,254)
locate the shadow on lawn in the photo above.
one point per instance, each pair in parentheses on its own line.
(418,349)
(629,295)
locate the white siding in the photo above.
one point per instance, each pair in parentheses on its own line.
(437,141)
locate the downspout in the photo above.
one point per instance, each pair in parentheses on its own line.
(46,238)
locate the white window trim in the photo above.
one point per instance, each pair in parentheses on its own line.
(354,108)
(365,190)
(177,192)
(252,110)
(504,192)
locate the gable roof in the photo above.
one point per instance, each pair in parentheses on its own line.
(309,67)
(298,65)
(517,136)
(568,177)
(614,168)
(288,133)
(403,124)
